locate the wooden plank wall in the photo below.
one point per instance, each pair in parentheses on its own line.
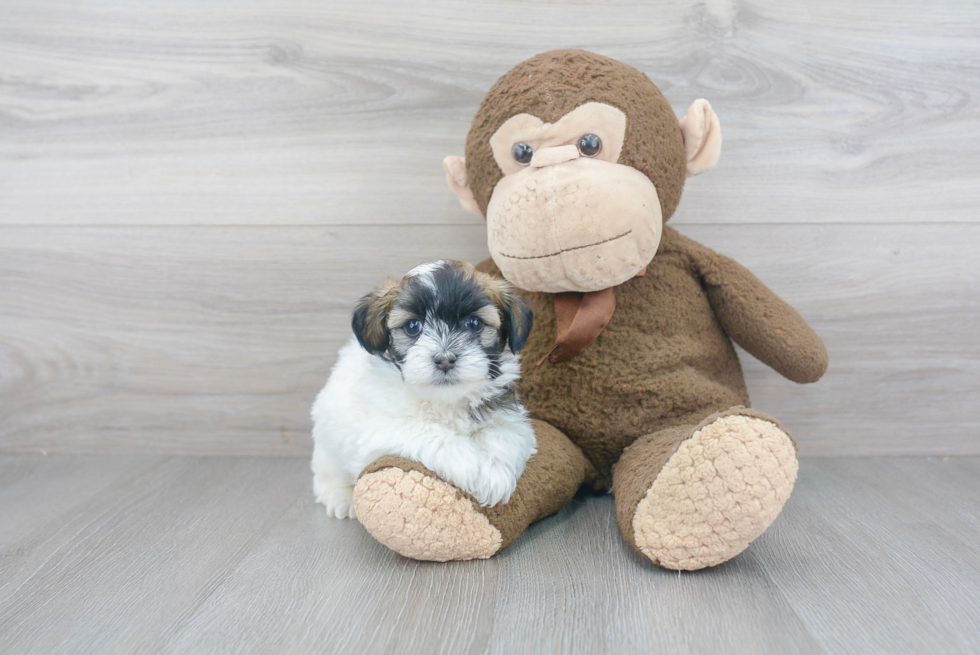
(193,194)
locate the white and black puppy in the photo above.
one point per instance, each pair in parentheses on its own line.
(431,375)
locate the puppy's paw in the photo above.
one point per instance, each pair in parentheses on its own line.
(494,485)
(339,502)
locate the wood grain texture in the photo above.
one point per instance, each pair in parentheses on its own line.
(192,195)
(875,534)
(133,564)
(35,491)
(872,555)
(216,340)
(305,112)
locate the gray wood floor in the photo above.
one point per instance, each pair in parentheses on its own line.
(148,553)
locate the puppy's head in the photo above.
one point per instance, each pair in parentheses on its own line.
(446,326)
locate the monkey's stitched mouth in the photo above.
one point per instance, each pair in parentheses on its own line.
(554,254)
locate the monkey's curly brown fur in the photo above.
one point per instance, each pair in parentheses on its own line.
(666,358)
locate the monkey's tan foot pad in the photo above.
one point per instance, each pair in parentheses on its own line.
(422,517)
(722,488)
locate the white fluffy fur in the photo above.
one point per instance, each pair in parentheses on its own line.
(367,410)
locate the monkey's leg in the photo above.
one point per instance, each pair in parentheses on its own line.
(690,497)
(409,509)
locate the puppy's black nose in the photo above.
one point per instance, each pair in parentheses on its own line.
(445,361)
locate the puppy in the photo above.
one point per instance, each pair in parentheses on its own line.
(431,375)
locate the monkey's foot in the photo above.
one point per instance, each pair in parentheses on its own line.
(408,509)
(722,488)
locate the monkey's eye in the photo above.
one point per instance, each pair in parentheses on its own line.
(413,328)
(523,153)
(589,145)
(474,323)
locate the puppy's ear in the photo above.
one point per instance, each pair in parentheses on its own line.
(370,318)
(518,319)
(519,323)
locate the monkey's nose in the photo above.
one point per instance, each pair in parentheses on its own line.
(551,156)
(445,361)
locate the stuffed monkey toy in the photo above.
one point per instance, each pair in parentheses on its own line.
(577,162)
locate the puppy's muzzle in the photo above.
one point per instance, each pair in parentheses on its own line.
(444,360)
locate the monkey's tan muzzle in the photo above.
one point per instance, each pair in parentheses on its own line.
(569,223)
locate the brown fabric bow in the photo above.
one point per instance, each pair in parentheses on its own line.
(580,319)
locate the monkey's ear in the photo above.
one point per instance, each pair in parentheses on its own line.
(456,177)
(702,137)
(370,318)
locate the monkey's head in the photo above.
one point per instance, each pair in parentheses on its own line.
(576,161)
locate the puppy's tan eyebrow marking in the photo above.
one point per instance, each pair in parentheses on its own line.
(399,317)
(588,245)
(489,315)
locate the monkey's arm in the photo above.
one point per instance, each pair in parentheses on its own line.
(758,320)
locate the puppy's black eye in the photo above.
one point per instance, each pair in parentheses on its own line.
(474,323)
(523,153)
(589,145)
(413,327)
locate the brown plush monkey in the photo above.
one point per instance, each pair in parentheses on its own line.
(577,161)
